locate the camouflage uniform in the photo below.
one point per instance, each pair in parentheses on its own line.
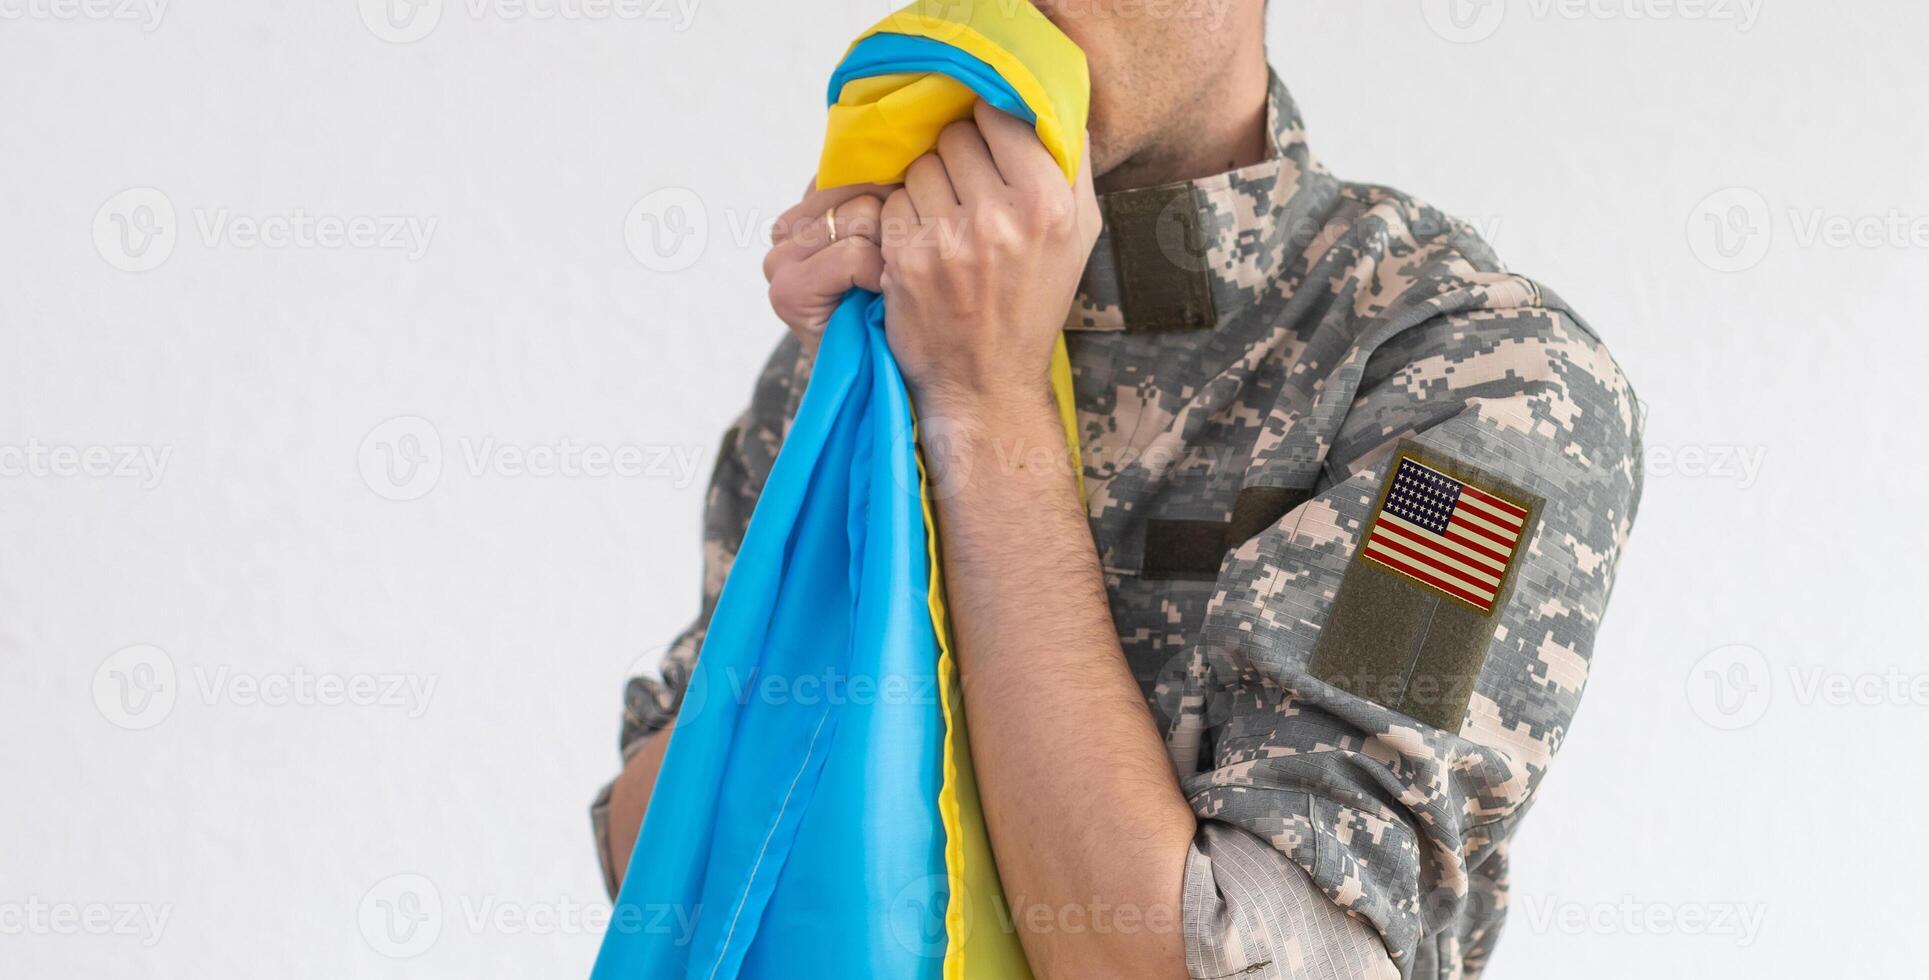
(1250,351)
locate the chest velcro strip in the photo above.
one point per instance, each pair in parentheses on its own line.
(1193,549)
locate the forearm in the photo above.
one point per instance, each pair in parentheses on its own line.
(630,799)
(1085,815)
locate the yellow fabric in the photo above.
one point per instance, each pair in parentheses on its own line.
(877,127)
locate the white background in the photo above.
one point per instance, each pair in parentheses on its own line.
(1715,813)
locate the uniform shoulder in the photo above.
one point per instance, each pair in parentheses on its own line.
(1400,258)
(1439,320)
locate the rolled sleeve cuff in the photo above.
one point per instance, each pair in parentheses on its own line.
(649,705)
(1252,913)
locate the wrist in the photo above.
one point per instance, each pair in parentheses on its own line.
(991,408)
(983,448)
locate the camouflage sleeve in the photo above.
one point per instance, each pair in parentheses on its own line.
(743,464)
(1394,795)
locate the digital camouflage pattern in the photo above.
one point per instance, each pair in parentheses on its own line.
(1347,319)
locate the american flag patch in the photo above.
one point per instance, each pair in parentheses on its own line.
(1447,535)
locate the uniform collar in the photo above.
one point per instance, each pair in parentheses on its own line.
(1186,256)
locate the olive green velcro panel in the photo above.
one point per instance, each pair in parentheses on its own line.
(1410,647)
(1259,508)
(1183,549)
(1398,645)
(1159,250)
(1190,549)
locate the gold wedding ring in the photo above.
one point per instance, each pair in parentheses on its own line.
(830,221)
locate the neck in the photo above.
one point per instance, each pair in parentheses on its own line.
(1223,129)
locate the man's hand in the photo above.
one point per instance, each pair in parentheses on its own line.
(808,273)
(1082,805)
(977,287)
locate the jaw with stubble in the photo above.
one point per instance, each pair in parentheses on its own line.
(1173,85)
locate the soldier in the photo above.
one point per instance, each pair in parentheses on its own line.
(1271,698)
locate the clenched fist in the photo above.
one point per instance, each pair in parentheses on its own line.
(808,272)
(977,288)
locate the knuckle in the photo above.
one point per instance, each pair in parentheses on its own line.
(916,263)
(1045,210)
(1056,211)
(849,254)
(911,256)
(864,215)
(955,133)
(1000,227)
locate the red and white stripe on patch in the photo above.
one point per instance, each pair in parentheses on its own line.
(1447,535)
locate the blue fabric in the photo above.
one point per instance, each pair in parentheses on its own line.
(796,807)
(794,829)
(893,54)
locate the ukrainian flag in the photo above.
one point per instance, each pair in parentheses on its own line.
(817,815)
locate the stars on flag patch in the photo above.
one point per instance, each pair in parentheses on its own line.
(1449,536)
